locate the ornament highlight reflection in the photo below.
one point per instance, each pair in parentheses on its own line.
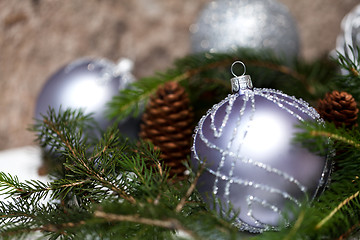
(86,93)
(269,132)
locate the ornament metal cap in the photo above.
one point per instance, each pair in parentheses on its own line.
(242,82)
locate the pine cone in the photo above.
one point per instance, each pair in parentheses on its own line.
(167,123)
(339,108)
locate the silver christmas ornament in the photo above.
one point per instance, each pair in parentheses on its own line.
(350,34)
(87,84)
(225,25)
(251,160)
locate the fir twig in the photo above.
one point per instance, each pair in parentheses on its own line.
(198,68)
(349,80)
(172,224)
(56,127)
(287,71)
(337,137)
(58,228)
(12,187)
(355,72)
(348,232)
(182,202)
(334,211)
(296,226)
(122,193)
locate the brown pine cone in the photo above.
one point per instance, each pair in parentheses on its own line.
(167,123)
(339,108)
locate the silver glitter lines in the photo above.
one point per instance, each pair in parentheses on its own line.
(263,183)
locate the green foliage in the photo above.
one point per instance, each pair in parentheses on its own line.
(114,188)
(350,79)
(207,79)
(102,184)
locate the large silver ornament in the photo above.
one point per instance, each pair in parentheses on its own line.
(88,84)
(252,162)
(350,35)
(225,25)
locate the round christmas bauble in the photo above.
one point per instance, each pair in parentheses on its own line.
(350,34)
(225,25)
(87,84)
(251,161)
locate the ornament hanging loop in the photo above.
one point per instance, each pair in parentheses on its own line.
(232,68)
(242,82)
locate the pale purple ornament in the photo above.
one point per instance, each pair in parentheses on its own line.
(251,159)
(88,84)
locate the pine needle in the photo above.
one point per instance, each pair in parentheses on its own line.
(333,212)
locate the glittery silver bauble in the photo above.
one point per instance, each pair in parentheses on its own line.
(252,162)
(87,84)
(225,25)
(350,35)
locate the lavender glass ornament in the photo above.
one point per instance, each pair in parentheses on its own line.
(88,84)
(251,160)
(225,25)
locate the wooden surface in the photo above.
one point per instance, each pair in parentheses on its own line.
(37,37)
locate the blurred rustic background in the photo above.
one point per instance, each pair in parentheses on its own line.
(37,37)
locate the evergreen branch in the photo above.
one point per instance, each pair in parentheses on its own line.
(67,143)
(106,146)
(53,228)
(142,179)
(115,188)
(333,212)
(56,228)
(69,185)
(58,187)
(195,68)
(351,65)
(159,168)
(16,215)
(26,190)
(285,70)
(96,176)
(296,226)
(348,232)
(83,161)
(138,95)
(316,133)
(349,80)
(182,202)
(68,121)
(355,72)
(60,229)
(18,231)
(19,212)
(316,137)
(23,217)
(9,182)
(143,91)
(11,186)
(171,223)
